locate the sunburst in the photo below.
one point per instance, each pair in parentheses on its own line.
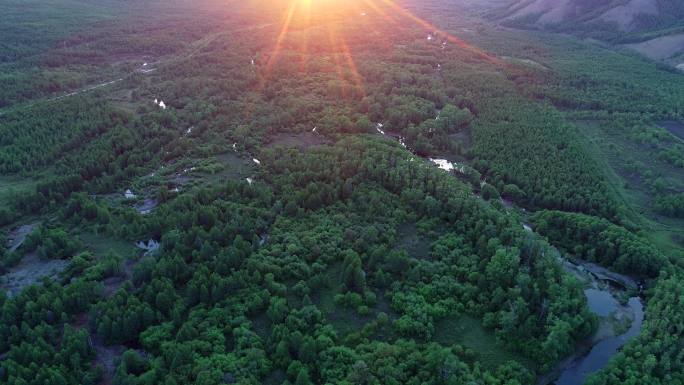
(300,15)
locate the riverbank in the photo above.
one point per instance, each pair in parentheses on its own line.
(612,297)
(618,323)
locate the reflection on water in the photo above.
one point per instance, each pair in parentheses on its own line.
(578,370)
(604,287)
(601,302)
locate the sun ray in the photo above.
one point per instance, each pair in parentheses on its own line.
(443,34)
(279,42)
(334,42)
(356,76)
(380,11)
(306,17)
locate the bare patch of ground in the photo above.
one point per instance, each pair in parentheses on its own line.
(17,236)
(80,321)
(30,271)
(660,48)
(112,284)
(217,168)
(106,357)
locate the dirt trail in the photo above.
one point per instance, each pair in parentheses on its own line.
(105,356)
(17,236)
(112,284)
(196,47)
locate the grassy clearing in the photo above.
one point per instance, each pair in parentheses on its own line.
(190,172)
(101,245)
(469,332)
(630,169)
(14,185)
(226,166)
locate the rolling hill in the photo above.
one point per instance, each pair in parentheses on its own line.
(655,28)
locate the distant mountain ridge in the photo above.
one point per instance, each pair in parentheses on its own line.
(653,27)
(602,17)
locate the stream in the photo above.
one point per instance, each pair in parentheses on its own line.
(599,355)
(604,288)
(618,321)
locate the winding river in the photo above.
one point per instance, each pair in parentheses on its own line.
(599,355)
(602,292)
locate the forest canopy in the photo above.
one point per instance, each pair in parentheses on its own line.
(354,194)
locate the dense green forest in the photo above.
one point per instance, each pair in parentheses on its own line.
(597,240)
(211,194)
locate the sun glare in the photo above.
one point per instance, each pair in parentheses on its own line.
(300,16)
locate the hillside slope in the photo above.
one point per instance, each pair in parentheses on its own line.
(603,15)
(655,28)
